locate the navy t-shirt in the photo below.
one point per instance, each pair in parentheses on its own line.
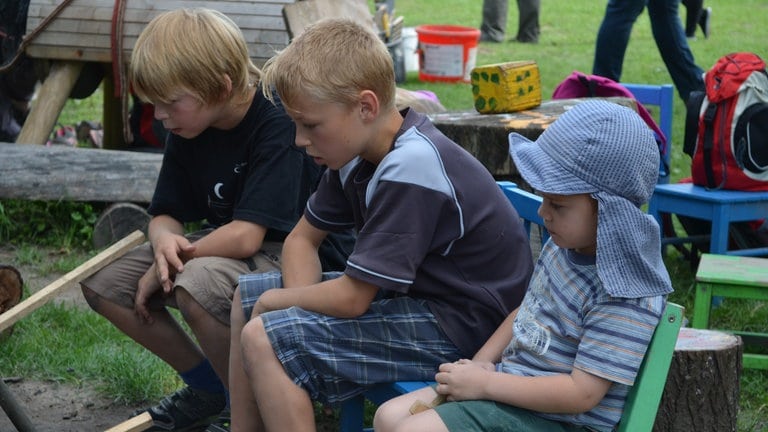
(253,172)
(433,224)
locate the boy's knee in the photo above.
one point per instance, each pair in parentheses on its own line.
(90,296)
(254,338)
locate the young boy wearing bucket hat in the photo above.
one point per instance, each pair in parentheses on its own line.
(566,358)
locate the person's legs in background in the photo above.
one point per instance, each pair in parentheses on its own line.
(696,15)
(692,12)
(494,23)
(673,46)
(613,36)
(528,23)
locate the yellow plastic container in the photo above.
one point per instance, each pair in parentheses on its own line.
(506,87)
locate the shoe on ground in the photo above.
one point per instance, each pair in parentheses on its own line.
(184,410)
(704,21)
(221,424)
(485,38)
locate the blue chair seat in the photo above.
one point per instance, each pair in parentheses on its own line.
(720,207)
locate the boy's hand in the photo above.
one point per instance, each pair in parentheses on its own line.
(171,251)
(148,285)
(463,379)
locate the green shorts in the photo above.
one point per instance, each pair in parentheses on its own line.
(489,416)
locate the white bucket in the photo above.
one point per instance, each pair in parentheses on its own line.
(410,45)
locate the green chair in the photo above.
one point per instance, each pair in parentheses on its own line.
(736,277)
(643,400)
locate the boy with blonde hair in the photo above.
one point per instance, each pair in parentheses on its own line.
(565,359)
(440,257)
(230,162)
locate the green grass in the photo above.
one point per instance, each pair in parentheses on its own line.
(42,344)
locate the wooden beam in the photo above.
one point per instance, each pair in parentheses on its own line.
(134,424)
(86,269)
(50,100)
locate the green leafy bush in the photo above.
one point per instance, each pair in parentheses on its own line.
(64,224)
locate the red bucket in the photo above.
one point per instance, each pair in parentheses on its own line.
(447,52)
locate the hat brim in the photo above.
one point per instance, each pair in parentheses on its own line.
(541,171)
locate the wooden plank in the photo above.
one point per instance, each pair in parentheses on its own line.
(86,269)
(301,14)
(82,29)
(138,423)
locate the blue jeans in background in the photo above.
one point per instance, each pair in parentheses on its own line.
(613,37)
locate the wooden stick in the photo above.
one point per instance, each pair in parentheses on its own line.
(81,272)
(135,424)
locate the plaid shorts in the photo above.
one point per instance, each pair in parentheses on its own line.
(335,359)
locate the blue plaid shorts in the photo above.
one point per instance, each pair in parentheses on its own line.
(335,359)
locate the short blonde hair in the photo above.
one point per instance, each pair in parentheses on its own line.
(191,49)
(332,61)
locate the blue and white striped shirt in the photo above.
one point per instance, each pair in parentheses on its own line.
(568,320)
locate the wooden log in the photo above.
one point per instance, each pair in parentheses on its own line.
(702,389)
(84,270)
(138,423)
(64,173)
(485,135)
(11,286)
(49,102)
(117,221)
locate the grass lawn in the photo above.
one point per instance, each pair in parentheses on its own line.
(568,31)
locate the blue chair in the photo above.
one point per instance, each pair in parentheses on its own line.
(720,207)
(661,96)
(643,400)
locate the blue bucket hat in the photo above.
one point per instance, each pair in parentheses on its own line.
(605,150)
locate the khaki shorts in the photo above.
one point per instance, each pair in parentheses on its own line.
(211,281)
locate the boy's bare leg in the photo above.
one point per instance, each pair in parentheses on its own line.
(284,406)
(164,337)
(212,335)
(395,411)
(245,412)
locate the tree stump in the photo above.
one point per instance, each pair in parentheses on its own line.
(11,285)
(702,389)
(117,221)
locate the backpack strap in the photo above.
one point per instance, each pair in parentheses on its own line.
(692,112)
(709,133)
(589,84)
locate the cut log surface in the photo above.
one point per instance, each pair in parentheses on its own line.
(117,221)
(11,287)
(63,173)
(702,389)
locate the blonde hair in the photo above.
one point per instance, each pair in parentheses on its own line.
(191,49)
(332,61)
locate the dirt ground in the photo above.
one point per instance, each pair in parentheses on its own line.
(53,406)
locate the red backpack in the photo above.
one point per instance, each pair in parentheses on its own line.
(726,127)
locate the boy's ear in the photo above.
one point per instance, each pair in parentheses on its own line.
(369,105)
(227,86)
